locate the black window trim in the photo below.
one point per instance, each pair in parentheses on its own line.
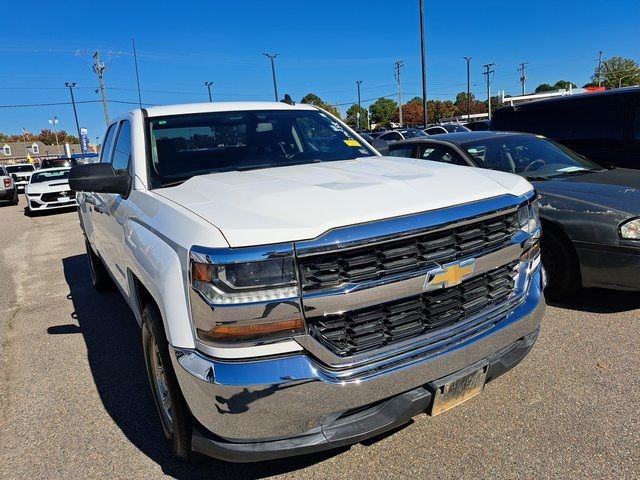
(115,142)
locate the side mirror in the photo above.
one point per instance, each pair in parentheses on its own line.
(99,178)
(381,146)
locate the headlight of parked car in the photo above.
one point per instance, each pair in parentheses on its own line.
(630,230)
(529,217)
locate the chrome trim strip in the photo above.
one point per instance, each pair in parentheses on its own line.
(348,297)
(241,254)
(397,228)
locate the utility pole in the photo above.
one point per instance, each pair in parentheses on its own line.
(487,73)
(523,76)
(54,122)
(272,57)
(424,66)
(468,59)
(358,121)
(135,62)
(399,65)
(70,86)
(600,68)
(99,68)
(208,85)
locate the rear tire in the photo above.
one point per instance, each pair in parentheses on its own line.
(16,199)
(175,417)
(100,278)
(561,263)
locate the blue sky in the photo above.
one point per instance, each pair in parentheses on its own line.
(324,47)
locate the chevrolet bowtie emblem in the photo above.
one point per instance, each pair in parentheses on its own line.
(450,274)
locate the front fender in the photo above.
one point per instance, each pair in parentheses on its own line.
(161,267)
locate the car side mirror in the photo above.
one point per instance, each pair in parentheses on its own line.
(381,146)
(99,178)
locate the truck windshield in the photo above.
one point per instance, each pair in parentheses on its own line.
(183,146)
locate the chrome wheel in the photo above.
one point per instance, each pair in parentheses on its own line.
(160,384)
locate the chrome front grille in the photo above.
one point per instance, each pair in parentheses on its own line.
(375,327)
(366,263)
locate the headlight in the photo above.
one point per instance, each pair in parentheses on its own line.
(245,282)
(630,230)
(252,293)
(528,217)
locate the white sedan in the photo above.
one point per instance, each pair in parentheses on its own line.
(49,189)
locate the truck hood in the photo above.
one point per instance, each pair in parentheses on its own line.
(301,202)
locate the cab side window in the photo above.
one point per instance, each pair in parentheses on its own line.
(404,151)
(122,150)
(440,153)
(106,144)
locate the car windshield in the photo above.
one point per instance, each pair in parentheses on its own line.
(413,133)
(529,156)
(20,168)
(58,162)
(187,145)
(45,176)
(453,127)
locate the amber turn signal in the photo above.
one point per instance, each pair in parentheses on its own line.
(245,332)
(201,272)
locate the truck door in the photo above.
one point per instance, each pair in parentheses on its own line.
(90,210)
(115,209)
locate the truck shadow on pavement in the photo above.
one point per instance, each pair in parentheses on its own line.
(599,300)
(115,357)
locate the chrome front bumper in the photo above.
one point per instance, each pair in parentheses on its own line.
(293,396)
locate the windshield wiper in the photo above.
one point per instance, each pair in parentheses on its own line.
(536,178)
(579,172)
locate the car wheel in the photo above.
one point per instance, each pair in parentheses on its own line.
(16,199)
(561,263)
(175,418)
(100,278)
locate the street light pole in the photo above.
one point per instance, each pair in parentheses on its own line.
(70,86)
(208,85)
(468,59)
(54,122)
(272,57)
(424,65)
(358,122)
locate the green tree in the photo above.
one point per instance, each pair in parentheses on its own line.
(544,87)
(565,84)
(382,111)
(617,72)
(352,116)
(313,99)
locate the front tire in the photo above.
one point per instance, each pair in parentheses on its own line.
(175,418)
(561,263)
(100,278)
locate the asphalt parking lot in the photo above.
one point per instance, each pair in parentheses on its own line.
(75,403)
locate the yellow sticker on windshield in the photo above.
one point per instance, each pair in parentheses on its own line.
(352,143)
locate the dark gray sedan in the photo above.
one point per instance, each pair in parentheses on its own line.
(590,214)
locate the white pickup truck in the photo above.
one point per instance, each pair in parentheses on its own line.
(296,290)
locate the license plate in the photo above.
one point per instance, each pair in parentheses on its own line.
(456,389)
(63,199)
